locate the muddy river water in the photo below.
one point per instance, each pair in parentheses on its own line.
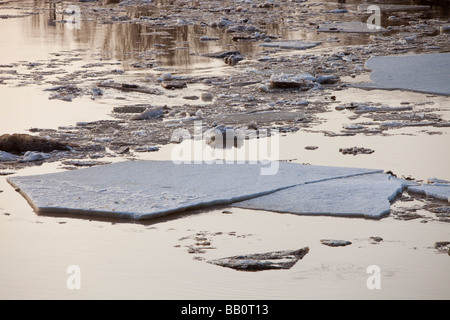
(43,47)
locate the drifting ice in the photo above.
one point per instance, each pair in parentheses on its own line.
(366,196)
(147,189)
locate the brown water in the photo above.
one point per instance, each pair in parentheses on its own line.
(150,261)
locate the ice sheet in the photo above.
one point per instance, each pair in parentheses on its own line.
(348,27)
(429,75)
(291,45)
(366,196)
(146,189)
(438,191)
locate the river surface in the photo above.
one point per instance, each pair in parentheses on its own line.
(122,260)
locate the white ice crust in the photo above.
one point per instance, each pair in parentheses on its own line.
(367,196)
(146,189)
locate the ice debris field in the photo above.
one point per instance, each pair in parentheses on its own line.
(141,190)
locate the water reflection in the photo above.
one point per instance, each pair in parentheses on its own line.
(180,46)
(171,46)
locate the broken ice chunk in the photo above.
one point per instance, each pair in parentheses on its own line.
(6,156)
(437,191)
(366,196)
(335,243)
(31,156)
(262,261)
(350,27)
(150,113)
(291,45)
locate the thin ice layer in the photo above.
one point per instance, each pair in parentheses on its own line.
(437,191)
(348,27)
(366,196)
(291,45)
(429,75)
(146,189)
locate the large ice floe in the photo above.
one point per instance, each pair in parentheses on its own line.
(146,189)
(367,196)
(437,191)
(429,75)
